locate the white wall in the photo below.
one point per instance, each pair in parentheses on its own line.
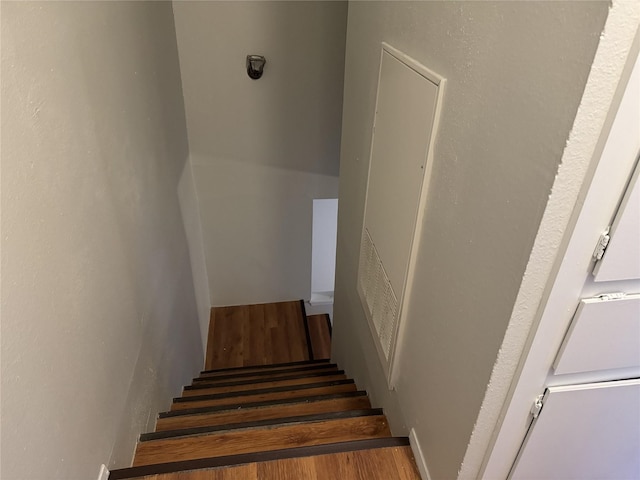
(515,73)
(190,209)
(323,257)
(262,150)
(99,321)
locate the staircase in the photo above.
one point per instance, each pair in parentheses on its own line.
(295,420)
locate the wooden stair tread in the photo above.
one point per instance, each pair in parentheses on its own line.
(262,368)
(207,389)
(319,367)
(241,459)
(260,439)
(319,327)
(270,405)
(276,393)
(267,412)
(264,423)
(265,403)
(391,463)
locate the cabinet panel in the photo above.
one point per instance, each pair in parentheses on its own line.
(604,334)
(584,432)
(621,260)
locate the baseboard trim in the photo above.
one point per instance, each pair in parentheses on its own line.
(418,455)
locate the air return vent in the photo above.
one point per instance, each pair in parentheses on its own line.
(380,300)
(407,108)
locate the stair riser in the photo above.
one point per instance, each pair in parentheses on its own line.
(260,440)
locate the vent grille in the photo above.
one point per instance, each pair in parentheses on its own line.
(379,300)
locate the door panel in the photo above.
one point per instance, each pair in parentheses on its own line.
(584,432)
(604,334)
(621,260)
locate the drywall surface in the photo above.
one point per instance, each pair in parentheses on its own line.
(257,225)
(515,74)
(191,219)
(99,321)
(323,258)
(283,127)
(597,161)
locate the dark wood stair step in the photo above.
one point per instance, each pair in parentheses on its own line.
(206,389)
(313,405)
(319,327)
(246,335)
(261,368)
(252,440)
(272,422)
(259,395)
(322,367)
(265,403)
(222,464)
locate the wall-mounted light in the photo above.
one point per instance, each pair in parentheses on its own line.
(255,66)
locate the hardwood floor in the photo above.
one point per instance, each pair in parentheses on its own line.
(236,415)
(271,406)
(391,463)
(233,442)
(320,335)
(256,335)
(264,395)
(207,389)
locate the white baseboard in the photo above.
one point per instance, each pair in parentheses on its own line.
(321,298)
(104,473)
(417,453)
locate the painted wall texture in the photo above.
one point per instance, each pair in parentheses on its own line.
(261,150)
(99,321)
(515,74)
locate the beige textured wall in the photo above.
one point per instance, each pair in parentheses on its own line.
(515,73)
(99,323)
(261,150)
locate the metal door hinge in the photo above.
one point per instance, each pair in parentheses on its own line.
(536,408)
(603,241)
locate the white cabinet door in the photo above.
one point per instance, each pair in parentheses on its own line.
(589,431)
(621,260)
(604,334)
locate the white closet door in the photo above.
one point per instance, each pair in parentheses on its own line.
(584,432)
(621,260)
(604,334)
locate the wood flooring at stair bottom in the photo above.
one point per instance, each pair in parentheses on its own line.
(392,463)
(233,442)
(320,336)
(256,335)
